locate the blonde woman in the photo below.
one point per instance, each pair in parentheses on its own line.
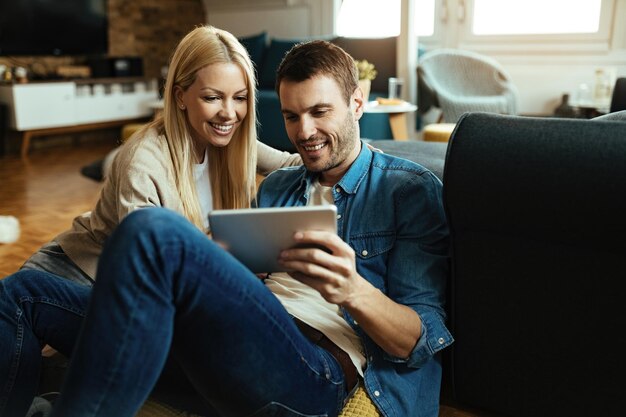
(201,154)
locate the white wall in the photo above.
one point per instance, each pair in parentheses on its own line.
(279,18)
(542,80)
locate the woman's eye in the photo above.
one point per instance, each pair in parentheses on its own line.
(241,98)
(211,98)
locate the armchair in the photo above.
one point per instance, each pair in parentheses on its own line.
(458,81)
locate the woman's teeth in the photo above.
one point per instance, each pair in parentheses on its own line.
(222,128)
(314,148)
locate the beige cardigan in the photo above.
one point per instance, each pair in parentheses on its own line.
(141,176)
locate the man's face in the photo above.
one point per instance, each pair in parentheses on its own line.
(321,125)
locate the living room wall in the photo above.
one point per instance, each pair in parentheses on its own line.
(146,28)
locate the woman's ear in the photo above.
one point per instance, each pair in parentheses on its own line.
(178,95)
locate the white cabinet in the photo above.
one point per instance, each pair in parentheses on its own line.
(34,106)
(64,104)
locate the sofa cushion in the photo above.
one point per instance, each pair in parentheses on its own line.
(430,155)
(256,45)
(274,55)
(536,213)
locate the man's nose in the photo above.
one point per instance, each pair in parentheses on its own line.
(306,128)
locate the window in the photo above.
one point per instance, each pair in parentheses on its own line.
(531,17)
(381,18)
(523,25)
(516,25)
(369,18)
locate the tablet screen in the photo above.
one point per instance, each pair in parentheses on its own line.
(256,236)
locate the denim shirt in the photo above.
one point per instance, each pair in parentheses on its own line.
(390,212)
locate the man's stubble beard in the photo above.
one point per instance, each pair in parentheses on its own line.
(346,140)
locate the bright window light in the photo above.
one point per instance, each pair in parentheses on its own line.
(369,18)
(529,17)
(424,17)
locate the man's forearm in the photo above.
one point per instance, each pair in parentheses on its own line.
(394,327)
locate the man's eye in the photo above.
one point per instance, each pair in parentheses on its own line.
(319,113)
(291,117)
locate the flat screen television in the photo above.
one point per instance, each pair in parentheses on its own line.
(53,27)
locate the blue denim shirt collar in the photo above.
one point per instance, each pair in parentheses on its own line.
(349,183)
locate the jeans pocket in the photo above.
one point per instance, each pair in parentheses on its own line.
(275,409)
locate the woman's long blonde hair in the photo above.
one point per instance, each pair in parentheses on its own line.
(232,169)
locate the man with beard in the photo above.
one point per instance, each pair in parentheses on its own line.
(366,313)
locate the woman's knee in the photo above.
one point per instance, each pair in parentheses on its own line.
(26,283)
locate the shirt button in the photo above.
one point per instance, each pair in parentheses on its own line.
(355,322)
(441,341)
(371,359)
(337,189)
(364,252)
(376,393)
(338,216)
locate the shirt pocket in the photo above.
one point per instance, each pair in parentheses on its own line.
(372,252)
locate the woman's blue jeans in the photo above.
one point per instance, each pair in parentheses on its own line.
(35,308)
(167,293)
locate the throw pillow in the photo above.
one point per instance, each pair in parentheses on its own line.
(256,45)
(275,54)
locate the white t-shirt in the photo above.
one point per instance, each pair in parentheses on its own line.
(308,305)
(203,188)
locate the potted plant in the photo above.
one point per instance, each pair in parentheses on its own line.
(367,72)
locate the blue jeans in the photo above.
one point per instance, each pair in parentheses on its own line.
(36,308)
(165,290)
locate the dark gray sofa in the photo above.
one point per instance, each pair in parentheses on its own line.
(428,154)
(536,208)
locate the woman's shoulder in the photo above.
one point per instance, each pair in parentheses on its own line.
(150,148)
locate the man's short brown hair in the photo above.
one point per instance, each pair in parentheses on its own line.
(308,59)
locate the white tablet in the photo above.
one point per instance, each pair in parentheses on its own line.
(256,236)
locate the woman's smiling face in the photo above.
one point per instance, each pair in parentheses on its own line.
(215,104)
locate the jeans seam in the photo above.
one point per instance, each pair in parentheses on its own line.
(50,301)
(17,353)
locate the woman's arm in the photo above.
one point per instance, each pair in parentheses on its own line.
(270,159)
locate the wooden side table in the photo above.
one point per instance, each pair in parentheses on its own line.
(397,116)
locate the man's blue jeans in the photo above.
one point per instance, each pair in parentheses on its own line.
(164,288)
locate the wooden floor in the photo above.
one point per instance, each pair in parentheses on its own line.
(45,193)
